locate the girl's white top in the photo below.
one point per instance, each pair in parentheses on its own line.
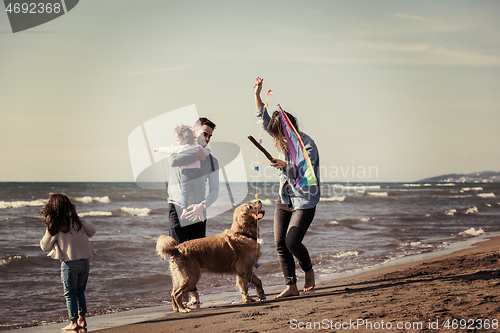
(185,149)
(72,245)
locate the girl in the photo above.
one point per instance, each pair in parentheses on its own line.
(295,207)
(67,239)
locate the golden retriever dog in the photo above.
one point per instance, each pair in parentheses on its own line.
(235,251)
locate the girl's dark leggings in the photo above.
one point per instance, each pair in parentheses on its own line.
(290,228)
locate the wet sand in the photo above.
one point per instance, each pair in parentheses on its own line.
(454,292)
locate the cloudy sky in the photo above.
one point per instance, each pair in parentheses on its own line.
(405,89)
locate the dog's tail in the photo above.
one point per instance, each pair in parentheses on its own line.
(166,246)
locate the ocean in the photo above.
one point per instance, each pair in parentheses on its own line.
(356,227)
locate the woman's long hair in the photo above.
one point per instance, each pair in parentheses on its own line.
(275,127)
(59,214)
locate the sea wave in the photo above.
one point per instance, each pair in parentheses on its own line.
(458,196)
(6,260)
(378,194)
(359,187)
(136,211)
(339,198)
(465,189)
(472,232)
(414,243)
(12,259)
(348,222)
(96,213)
(487,195)
(344,254)
(266,202)
(89,199)
(20,204)
(471,210)
(372,187)
(418,244)
(450,212)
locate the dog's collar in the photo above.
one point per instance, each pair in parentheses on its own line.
(247,235)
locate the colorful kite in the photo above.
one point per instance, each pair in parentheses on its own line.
(269,94)
(304,172)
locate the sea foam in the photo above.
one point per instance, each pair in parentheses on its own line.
(471,210)
(89,199)
(486,195)
(96,213)
(334,198)
(465,189)
(359,187)
(136,211)
(450,212)
(266,202)
(372,187)
(19,204)
(416,244)
(343,254)
(8,259)
(378,194)
(472,232)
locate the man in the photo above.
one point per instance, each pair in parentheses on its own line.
(194,226)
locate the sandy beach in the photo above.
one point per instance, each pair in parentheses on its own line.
(455,292)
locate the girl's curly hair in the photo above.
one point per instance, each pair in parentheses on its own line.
(186,133)
(59,214)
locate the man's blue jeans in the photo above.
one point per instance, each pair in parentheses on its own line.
(74,276)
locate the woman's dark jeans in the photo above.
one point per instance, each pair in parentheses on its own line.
(290,228)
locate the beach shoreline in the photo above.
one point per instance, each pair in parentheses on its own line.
(386,290)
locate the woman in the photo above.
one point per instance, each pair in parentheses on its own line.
(295,207)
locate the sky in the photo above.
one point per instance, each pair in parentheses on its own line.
(390,91)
